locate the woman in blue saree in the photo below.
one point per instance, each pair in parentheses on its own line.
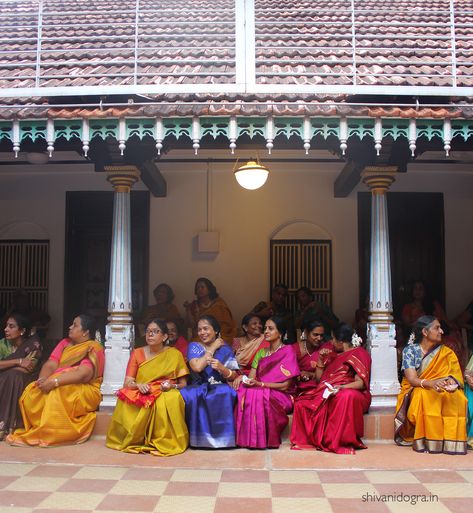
(469,396)
(209,399)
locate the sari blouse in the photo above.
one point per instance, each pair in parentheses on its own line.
(89,353)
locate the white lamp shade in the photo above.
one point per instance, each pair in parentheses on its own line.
(252,175)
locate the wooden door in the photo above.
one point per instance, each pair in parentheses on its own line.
(88,247)
(416,239)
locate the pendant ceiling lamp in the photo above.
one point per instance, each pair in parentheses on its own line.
(251,175)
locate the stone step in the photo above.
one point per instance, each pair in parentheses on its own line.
(379,424)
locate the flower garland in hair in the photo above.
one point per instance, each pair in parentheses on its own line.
(356,340)
(412,338)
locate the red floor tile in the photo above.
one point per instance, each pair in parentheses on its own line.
(245,476)
(438,476)
(405,488)
(21,499)
(47,510)
(340,476)
(6,480)
(296,490)
(91,485)
(195,489)
(459,505)
(148,474)
(128,503)
(54,471)
(357,506)
(242,505)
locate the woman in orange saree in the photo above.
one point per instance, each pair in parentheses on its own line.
(59,407)
(431,406)
(149,416)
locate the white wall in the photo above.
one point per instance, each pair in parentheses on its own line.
(246,220)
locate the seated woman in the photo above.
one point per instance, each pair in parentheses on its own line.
(307,350)
(469,396)
(264,398)
(59,407)
(309,309)
(330,418)
(209,399)
(208,302)
(149,416)
(248,345)
(431,407)
(175,339)
(19,356)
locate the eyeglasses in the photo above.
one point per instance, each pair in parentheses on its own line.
(152,332)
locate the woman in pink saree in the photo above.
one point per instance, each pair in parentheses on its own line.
(331,417)
(264,397)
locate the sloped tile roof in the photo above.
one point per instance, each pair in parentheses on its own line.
(308,42)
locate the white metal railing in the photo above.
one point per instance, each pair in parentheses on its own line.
(259,46)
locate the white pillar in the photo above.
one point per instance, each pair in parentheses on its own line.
(119,333)
(381,329)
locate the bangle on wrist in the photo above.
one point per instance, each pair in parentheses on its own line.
(230,372)
(56,382)
(422,383)
(21,361)
(262,385)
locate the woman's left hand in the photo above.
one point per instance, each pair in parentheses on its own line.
(166,385)
(216,364)
(46,385)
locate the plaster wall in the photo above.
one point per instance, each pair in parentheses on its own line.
(297,201)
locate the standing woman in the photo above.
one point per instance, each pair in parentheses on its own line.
(19,356)
(149,416)
(330,418)
(209,399)
(264,399)
(208,302)
(59,407)
(431,406)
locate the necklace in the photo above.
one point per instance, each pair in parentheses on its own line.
(307,351)
(269,352)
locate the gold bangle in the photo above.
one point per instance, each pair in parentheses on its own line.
(228,375)
(262,384)
(422,383)
(56,383)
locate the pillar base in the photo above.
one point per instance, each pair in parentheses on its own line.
(119,339)
(384,381)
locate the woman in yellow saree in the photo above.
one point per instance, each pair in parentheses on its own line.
(59,407)
(431,406)
(149,416)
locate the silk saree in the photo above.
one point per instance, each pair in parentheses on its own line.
(428,420)
(262,412)
(65,415)
(154,422)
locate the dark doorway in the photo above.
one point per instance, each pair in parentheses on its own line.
(416,238)
(88,246)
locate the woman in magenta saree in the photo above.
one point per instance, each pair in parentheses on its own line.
(330,418)
(264,398)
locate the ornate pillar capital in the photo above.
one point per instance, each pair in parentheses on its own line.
(379,178)
(122,177)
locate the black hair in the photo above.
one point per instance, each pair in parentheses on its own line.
(422,322)
(212,321)
(213,294)
(247,318)
(22,322)
(312,323)
(87,323)
(307,291)
(161,325)
(343,333)
(280,286)
(169,292)
(281,325)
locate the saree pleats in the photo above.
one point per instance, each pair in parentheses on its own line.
(151,423)
(262,413)
(334,424)
(66,415)
(433,421)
